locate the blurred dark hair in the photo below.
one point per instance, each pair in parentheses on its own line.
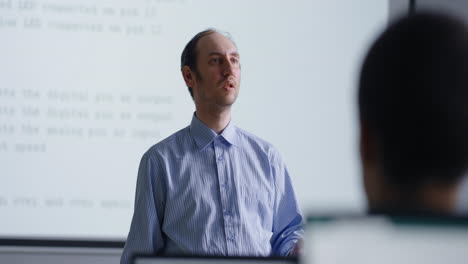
(413,96)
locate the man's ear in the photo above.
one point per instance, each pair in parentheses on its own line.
(367,143)
(189,76)
(371,177)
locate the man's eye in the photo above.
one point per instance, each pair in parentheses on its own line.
(215,60)
(234,61)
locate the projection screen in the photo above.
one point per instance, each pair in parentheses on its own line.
(88,86)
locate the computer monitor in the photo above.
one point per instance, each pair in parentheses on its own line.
(383,239)
(57,251)
(151,259)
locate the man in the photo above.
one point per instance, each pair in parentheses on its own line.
(413,104)
(213,188)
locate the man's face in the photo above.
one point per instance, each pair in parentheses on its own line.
(217,80)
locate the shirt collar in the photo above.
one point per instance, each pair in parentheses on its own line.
(204,135)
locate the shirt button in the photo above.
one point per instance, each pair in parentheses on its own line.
(220,158)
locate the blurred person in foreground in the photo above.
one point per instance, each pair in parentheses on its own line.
(413,110)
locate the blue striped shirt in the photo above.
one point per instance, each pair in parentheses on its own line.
(202,193)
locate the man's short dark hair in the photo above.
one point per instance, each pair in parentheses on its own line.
(413,97)
(189,54)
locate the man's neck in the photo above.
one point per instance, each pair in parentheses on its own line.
(436,198)
(441,198)
(216,120)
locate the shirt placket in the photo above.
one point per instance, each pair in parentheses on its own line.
(225,191)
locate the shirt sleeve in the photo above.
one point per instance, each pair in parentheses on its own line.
(287,219)
(145,236)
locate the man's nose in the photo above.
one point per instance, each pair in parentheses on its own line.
(227,68)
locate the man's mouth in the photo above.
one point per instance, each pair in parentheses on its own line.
(229,84)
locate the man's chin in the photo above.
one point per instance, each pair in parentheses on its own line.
(227,101)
